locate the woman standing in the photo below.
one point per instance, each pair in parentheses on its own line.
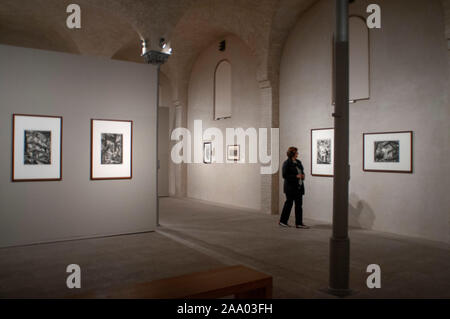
(294,189)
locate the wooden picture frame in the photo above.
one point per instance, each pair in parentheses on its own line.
(236,150)
(111,149)
(207,152)
(322,165)
(388,152)
(36,139)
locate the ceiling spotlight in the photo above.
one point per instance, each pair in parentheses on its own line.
(162,43)
(144,46)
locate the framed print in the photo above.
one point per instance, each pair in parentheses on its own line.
(111,149)
(37,148)
(389,152)
(207,152)
(322,152)
(233,153)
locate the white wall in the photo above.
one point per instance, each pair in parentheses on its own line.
(165,100)
(409,91)
(163,151)
(78,88)
(233,184)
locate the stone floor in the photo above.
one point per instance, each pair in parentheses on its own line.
(196,236)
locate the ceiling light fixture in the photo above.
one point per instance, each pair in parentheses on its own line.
(162,43)
(144,47)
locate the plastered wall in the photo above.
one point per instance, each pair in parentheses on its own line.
(232,184)
(409,91)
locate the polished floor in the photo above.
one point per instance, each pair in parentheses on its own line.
(196,236)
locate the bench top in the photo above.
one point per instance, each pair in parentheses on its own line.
(213,283)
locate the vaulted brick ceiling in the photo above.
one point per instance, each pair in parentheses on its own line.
(113,28)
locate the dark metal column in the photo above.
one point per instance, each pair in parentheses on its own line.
(339,242)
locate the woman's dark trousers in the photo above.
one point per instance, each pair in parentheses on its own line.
(290,199)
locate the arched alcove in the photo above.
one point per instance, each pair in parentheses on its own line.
(359,59)
(222,90)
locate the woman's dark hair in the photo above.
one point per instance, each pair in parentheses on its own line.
(291,151)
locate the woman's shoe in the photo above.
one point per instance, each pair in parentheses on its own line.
(302,226)
(283,224)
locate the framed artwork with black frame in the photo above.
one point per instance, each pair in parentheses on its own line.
(37,148)
(111,149)
(388,152)
(207,152)
(233,153)
(322,152)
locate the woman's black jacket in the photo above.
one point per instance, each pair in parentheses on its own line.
(292,185)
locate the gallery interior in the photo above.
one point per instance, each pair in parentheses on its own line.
(115,119)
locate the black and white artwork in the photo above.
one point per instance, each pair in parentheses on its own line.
(389,152)
(37,147)
(112,149)
(322,158)
(324,151)
(207,152)
(233,153)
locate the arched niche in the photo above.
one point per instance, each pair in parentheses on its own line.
(359,59)
(222,90)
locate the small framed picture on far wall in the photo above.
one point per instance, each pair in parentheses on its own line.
(233,153)
(207,152)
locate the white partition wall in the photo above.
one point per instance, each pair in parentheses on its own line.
(79,89)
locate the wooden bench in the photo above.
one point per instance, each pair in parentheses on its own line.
(240,281)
